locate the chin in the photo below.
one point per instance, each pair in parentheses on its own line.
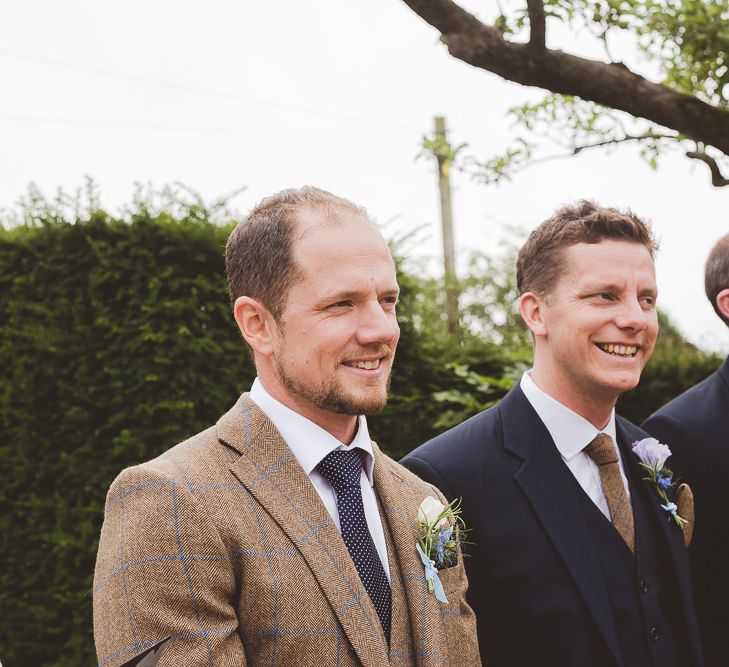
(372,405)
(622,385)
(351,403)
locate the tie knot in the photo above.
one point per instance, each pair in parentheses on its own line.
(342,468)
(601,450)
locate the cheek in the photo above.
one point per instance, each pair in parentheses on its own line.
(652,328)
(396,334)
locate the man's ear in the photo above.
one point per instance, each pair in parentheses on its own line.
(722,302)
(256,324)
(531,309)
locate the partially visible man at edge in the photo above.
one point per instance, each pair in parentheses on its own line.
(574,562)
(282,535)
(695,426)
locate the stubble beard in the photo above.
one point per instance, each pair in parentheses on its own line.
(332,397)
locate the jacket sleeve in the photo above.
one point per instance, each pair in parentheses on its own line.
(427,472)
(162,571)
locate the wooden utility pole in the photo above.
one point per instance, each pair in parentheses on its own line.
(445,156)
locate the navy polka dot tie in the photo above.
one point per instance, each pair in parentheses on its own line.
(343,469)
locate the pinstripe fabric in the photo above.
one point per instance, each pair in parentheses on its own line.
(223,544)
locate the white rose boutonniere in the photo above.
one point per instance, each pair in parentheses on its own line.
(440,529)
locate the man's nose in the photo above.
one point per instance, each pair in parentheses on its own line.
(633,315)
(377,325)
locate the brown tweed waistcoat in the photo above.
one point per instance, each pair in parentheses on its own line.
(223,545)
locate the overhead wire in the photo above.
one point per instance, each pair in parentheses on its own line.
(186,88)
(166,127)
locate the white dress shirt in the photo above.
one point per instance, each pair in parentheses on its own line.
(571,434)
(310,444)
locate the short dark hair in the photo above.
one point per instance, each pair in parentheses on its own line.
(540,262)
(259,255)
(716,273)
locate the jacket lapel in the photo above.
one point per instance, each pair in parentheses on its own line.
(400,503)
(671,534)
(271,473)
(401,636)
(546,482)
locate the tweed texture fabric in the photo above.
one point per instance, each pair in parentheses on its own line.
(685,504)
(603,452)
(223,545)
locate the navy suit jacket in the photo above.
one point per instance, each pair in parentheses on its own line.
(696,428)
(534,575)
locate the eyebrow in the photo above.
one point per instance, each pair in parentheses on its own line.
(348,295)
(615,287)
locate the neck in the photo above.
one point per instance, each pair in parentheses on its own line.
(340,426)
(592,407)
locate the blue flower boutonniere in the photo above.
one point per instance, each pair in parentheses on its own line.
(440,528)
(652,457)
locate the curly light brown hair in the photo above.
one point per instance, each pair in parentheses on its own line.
(540,262)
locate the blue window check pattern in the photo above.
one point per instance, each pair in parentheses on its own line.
(183,492)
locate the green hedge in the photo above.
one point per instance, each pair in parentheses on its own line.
(116,342)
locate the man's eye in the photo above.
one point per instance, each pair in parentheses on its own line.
(606,296)
(649,301)
(341,304)
(391,300)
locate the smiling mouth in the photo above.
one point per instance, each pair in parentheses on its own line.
(369,365)
(618,350)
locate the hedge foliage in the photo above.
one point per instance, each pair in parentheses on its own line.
(117,341)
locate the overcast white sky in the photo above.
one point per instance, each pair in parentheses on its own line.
(268,95)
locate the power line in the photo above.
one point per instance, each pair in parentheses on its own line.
(157,127)
(181,87)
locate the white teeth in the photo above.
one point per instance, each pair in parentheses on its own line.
(367,365)
(621,350)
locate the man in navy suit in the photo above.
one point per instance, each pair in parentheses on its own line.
(573,561)
(696,428)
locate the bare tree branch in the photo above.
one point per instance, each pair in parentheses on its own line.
(717,180)
(611,85)
(520,162)
(537,24)
(622,140)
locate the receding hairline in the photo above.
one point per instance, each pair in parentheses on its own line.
(309,223)
(311,216)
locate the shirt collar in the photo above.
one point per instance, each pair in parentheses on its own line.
(571,432)
(309,442)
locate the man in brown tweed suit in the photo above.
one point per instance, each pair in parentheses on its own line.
(231,545)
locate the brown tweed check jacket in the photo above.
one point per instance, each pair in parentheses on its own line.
(223,544)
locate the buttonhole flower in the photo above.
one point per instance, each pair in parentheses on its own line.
(440,529)
(652,457)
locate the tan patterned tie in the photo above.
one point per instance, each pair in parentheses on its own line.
(602,451)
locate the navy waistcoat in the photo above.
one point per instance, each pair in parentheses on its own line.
(641,592)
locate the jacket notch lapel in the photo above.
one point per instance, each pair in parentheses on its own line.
(546,482)
(401,640)
(270,472)
(672,535)
(400,503)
